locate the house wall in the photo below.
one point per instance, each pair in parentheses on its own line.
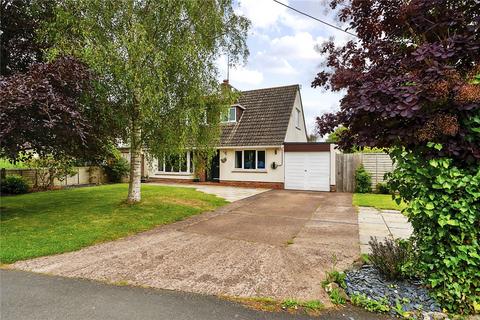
(228,172)
(294,133)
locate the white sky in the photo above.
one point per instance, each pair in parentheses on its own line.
(281,44)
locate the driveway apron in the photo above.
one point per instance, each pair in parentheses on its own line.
(275,244)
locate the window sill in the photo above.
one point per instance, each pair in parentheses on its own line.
(249,171)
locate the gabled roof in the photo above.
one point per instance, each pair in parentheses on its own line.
(264,121)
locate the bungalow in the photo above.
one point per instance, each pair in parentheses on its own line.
(263,144)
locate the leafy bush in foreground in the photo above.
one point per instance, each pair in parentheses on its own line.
(389,257)
(444,209)
(14,185)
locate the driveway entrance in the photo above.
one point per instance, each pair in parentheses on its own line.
(275,244)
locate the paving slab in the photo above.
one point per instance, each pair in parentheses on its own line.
(381,224)
(230,194)
(276,244)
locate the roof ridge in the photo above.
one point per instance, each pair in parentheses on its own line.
(279,87)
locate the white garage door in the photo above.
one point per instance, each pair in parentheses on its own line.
(307,171)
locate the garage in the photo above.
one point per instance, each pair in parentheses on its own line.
(308,166)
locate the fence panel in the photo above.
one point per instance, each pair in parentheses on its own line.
(83,175)
(377,164)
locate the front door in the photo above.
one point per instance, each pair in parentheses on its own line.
(214,172)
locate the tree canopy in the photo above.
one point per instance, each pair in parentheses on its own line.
(157,61)
(411,77)
(52,110)
(20,45)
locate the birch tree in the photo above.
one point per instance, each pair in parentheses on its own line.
(156,59)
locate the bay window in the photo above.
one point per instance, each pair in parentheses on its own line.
(182,163)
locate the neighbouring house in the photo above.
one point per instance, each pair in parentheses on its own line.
(263,144)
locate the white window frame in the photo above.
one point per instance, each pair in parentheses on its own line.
(189,171)
(228,118)
(243,160)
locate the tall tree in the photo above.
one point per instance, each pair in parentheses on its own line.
(157,59)
(413,85)
(53,110)
(20,45)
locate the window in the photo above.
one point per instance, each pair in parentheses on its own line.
(297,118)
(250,159)
(261,159)
(238,159)
(176,163)
(230,116)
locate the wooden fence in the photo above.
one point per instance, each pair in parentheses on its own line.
(377,164)
(84,175)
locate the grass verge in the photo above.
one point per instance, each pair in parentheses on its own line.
(52,222)
(379,201)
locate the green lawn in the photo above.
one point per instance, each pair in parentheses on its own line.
(379,201)
(51,222)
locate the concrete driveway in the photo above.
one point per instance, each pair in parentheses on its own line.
(275,244)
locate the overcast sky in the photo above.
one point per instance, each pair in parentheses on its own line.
(282,51)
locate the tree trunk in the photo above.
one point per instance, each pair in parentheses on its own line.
(134,194)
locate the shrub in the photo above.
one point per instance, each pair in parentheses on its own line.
(382,188)
(116,168)
(14,185)
(444,209)
(390,256)
(369,304)
(48,169)
(363,180)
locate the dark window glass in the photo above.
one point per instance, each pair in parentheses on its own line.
(238,159)
(191,162)
(261,160)
(183,163)
(160,163)
(249,161)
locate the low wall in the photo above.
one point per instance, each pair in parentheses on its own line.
(83,175)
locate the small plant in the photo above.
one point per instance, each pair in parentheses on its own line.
(335,276)
(337,297)
(368,304)
(116,168)
(382,188)
(14,185)
(390,257)
(363,180)
(290,304)
(308,306)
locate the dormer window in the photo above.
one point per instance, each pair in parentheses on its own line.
(231,115)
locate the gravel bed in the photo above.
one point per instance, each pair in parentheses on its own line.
(369,281)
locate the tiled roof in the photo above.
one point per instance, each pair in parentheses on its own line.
(264,121)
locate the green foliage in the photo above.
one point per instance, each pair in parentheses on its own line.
(7,164)
(390,256)
(13,185)
(335,276)
(363,180)
(382,188)
(156,61)
(444,209)
(313,305)
(116,168)
(334,137)
(371,305)
(336,297)
(48,169)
